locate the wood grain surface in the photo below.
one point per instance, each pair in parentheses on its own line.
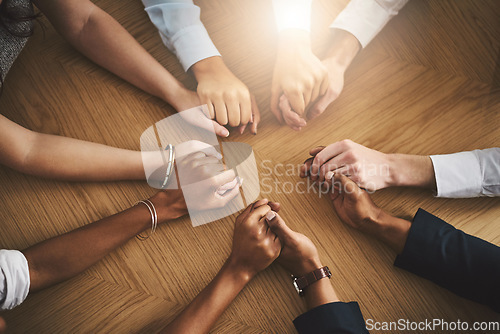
(429,83)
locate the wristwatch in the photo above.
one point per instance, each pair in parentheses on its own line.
(300,283)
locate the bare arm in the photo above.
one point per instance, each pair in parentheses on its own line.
(102,39)
(65,158)
(254,248)
(65,256)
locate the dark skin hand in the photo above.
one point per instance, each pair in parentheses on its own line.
(356,209)
(299,256)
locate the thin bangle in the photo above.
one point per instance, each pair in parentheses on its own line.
(154,219)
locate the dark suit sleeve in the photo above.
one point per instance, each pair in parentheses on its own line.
(332,318)
(464,264)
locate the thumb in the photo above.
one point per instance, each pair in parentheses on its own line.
(275,97)
(278,226)
(220,130)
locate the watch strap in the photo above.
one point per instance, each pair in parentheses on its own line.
(303,282)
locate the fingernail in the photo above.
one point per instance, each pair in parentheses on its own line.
(329,175)
(270,215)
(240,180)
(225,132)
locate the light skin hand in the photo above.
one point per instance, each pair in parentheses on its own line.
(298,74)
(254,248)
(228,99)
(370,169)
(356,209)
(299,256)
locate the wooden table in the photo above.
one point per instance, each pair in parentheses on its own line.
(428,84)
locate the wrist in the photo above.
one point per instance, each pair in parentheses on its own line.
(344,47)
(391,230)
(240,272)
(306,266)
(411,171)
(208,66)
(169,205)
(294,39)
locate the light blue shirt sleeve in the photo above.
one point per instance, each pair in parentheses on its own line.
(365,18)
(181,30)
(468,174)
(14,278)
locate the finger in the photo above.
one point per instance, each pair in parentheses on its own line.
(275,206)
(348,185)
(250,207)
(316,150)
(325,84)
(208,160)
(192,157)
(221,112)
(220,130)
(315,92)
(228,195)
(278,226)
(320,106)
(308,98)
(242,128)
(293,120)
(339,161)
(326,154)
(260,202)
(223,178)
(258,212)
(255,116)
(246,110)
(304,169)
(209,109)
(233,112)
(275,95)
(296,100)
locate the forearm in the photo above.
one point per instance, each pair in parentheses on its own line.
(343,48)
(76,160)
(67,255)
(320,293)
(102,39)
(202,313)
(391,230)
(411,171)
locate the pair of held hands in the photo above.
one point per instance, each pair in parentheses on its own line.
(302,86)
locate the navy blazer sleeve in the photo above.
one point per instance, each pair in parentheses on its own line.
(464,264)
(332,318)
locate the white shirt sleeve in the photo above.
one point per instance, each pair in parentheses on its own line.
(468,174)
(14,278)
(292,14)
(181,30)
(365,18)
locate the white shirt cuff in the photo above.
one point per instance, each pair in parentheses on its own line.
(14,278)
(191,45)
(458,175)
(365,18)
(292,14)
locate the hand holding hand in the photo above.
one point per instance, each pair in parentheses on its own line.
(228,99)
(204,181)
(255,246)
(298,74)
(353,205)
(370,169)
(299,255)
